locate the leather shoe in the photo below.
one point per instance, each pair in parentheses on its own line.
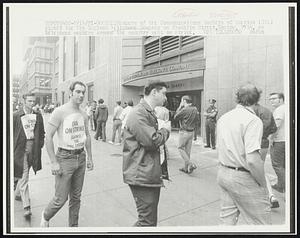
(27,212)
(206,146)
(274,202)
(191,168)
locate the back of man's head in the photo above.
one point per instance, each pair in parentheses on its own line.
(187,98)
(247,95)
(100,101)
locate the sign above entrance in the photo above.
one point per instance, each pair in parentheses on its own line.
(185,85)
(170,69)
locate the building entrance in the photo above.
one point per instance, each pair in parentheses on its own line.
(174,99)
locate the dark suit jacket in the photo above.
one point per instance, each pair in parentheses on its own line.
(20,143)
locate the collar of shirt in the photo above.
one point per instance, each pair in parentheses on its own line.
(147,104)
(250,109)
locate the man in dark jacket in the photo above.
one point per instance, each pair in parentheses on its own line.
(269,127)
(142,169)
(29,134)
(210,124)
(101,117)
(188,117)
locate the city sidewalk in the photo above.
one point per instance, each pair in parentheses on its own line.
(188,200)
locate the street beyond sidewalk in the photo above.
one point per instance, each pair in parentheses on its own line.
(188,200)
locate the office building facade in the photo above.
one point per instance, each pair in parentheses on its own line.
(37,77)
(16,87)
(96,61)
(203,67)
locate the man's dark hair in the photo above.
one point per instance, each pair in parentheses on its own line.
(72,86)
(119,103)
(213,100)
(247,95)
(279,95)
(130,103)
(28,95)
(100,101)
(94,101)
(187,98)
(158,85)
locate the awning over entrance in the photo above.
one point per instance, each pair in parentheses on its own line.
(167,73)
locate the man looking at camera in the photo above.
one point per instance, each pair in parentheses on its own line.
(69,162)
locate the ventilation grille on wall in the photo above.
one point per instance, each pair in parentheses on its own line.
(152,49)
(169,43)
(190,40)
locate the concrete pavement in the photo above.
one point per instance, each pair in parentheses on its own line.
(188,200)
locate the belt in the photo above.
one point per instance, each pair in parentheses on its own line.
(73,152)
(236,168)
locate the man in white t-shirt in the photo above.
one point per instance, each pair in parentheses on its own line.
(68,164)
(241,174)
(277,141)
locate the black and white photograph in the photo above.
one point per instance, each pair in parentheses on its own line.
(149,118)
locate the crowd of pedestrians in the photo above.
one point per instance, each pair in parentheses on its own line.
(242,137)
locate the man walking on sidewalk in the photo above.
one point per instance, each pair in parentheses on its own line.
(29,134)
(187,115)
(241,175)
(142,169)
(277,141)
(101,117)
(69,162)
(117,123)
(269,127)
(210,124)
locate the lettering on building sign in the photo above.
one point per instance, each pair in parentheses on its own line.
(165,70)
(175,85)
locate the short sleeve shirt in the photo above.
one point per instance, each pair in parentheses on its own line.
(279,114)
(239,132)
(70,127)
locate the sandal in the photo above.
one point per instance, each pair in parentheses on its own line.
(274,202)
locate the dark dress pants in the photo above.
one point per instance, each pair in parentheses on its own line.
(146,199)
(210,129)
